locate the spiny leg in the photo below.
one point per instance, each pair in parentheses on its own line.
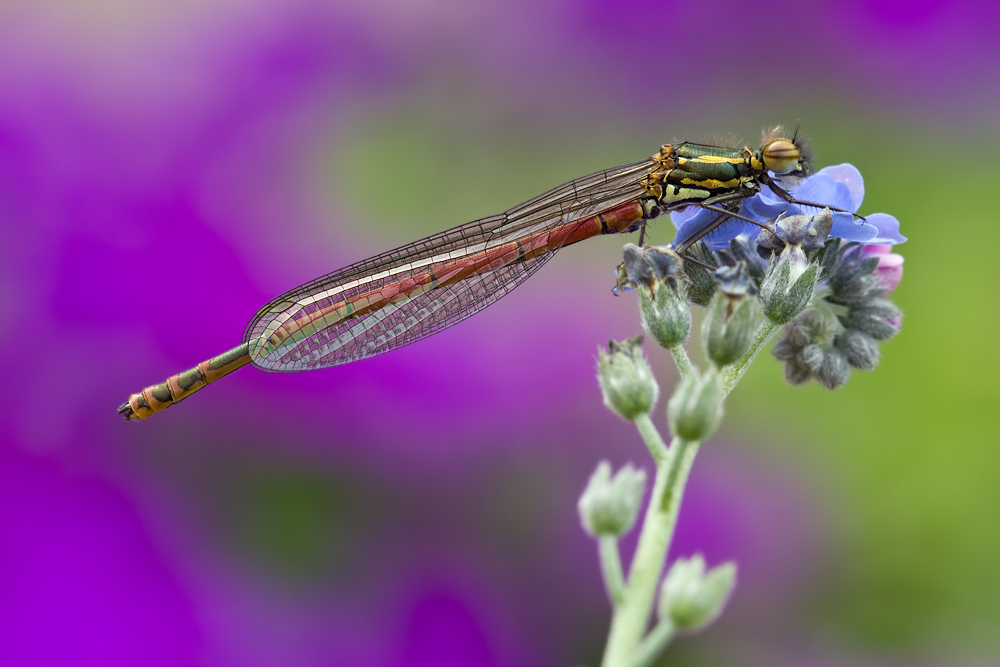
(689,258)
(724,215)
(787,196)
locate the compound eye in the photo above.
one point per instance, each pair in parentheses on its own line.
(781,156)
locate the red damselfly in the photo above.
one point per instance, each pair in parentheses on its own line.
(406,294)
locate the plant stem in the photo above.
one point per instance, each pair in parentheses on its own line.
(611,566)
(652,438)
(761,337)
(652,646)
(628,624)
(684,367)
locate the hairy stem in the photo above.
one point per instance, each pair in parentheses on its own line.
(651,437)
(652,646)
(611,566)
(631,617)
(761,337)
(682,360)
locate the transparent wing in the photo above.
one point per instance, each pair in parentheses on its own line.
(401,296)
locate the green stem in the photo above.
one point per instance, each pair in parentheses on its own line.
(652,646)
(761,337)
(611,566)
(632,616)
(682,360)
(651,437)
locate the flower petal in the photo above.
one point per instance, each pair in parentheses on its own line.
(823,190)
(849,175)
(719,237)
(728,231)
(889,269)
(847,228)
(888,229)
(767,206)
(690,225)
(679,218)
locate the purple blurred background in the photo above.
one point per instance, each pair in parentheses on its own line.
(166,168)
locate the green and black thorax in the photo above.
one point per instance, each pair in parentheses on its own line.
(688,173)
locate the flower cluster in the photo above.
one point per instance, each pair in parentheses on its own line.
(848,318)
(823,274)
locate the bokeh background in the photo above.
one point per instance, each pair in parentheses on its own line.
(167,167)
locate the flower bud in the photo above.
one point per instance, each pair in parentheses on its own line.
(609,505)
(695,409)
(646,266)
(665,314)
(732,316)
(860,349)
(834,371)
(783,299)
(806,232)
(690,598)
(728,329)
(890,266)
(811,357)
(701,280)
(790,280)
(627,383)
(879,318)
(663,308)
(742,249)
(888,269)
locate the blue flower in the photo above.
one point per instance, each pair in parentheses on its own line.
(692,220)
(840,186)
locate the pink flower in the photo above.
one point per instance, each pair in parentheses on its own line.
(889,271)
(890,266)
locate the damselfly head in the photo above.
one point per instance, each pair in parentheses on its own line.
(785,156)
(781,156)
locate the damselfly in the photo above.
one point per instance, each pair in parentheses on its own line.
(406,294)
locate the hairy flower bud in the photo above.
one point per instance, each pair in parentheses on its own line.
(701,280)
(627,383)
(860,349)
(732,316)
(791,279)
(609,505)
(691,598)
(665,314)
(890,266)
(782,298)
(743,249)
(695,409)
(663,308)
(834,371)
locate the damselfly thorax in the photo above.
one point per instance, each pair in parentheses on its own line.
(401,296)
